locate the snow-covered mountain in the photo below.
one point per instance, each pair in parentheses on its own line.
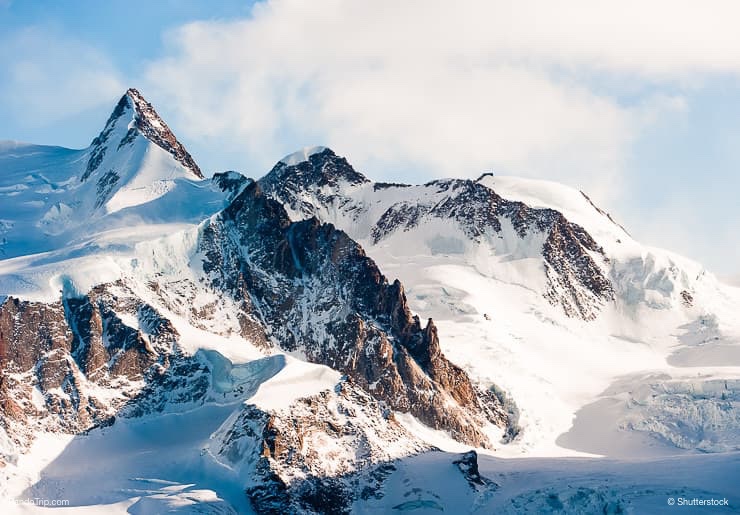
(528,281)
(448,217)
(223,345)
(134,172)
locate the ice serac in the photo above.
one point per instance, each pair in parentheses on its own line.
(319,294)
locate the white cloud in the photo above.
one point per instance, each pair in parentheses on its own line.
(48,76)
(450,88)
(309,74)
(418,89)
(558,90)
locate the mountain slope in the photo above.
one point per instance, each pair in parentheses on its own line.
(175,343)
(51,196)
(481,256)
(316,292)
(326,186)
(130,325)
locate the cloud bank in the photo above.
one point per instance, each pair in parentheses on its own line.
(413,90)
(444,88)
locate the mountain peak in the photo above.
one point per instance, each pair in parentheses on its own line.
(156,130)
(312,167)
(135,95)
(144,112)
(303,154)
(133,116)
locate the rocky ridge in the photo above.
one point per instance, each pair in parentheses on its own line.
(327,187)
(93,357)
(315,291)
(140,119)
(74,364)
(318,455)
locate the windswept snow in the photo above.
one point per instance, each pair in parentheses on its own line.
(297,379)
(301,155)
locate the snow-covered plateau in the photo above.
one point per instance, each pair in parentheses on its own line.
(316,342)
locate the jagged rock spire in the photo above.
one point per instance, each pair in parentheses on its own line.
(140,118)
(156,130)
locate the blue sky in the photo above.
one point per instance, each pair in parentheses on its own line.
(129,33)
(643,116)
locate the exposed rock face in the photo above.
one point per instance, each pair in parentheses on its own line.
(320,169)
(105,186)
(576,281)
(318,455)
(317,292)
(327,187)
(153,128)
(468,465)
(231,182)
(323,176)
(53,356)
(309,188)
(28,331)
